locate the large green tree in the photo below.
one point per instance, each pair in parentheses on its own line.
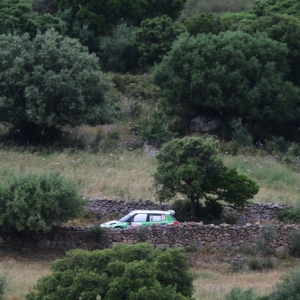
(125,272)
(50,81)
(191,167)
(230,75)
(103,15)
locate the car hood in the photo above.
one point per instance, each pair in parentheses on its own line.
(109,223)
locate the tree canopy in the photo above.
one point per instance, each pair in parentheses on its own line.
(18,16)
(50,81)
(102,15)
(154,38)
(267,7)
(191,167)
(231,75)
(127,272)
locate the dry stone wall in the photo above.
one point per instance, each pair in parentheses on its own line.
(251,213)
(185,234)
(182,235)
(119,208)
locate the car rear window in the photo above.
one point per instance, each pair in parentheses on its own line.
(156,218)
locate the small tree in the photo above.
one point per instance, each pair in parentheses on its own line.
(36,202)
(191,167)
(125,272)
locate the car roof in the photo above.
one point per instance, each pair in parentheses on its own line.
(169,212)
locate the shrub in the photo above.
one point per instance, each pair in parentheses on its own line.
(240,133)
(294,242)
(264,241)
(238,294)
(289,288)
(122,272)
(254,264)
(36,202)
(236,266)
(154,129)
(258,264)
(289,215)
(3,285)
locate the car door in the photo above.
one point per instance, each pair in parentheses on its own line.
(139,220)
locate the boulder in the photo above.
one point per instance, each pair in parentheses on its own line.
(204,124)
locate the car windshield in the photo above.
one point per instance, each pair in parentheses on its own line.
(126,218)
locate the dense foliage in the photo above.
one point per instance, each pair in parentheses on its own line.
(191,167)
(50,81)
(123,272)
(18,16)
(229,75)
(102,16)
(37,202)
(154,38)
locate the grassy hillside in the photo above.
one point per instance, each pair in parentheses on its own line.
(127,173)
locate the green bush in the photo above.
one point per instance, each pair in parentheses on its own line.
(238,294)
(37,202)
(132,272)
(289,288)
(240,134)
(154,129)
(294,242)
(264,241)
(3,286)
(254,264)
(117,53)
(258,264)
(289,215)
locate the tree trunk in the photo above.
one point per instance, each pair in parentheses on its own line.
(193,208)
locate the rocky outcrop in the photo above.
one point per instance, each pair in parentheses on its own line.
(204,124)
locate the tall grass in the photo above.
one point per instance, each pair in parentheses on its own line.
(124,174)
(278,182)
(127,174)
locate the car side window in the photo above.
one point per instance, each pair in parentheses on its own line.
(139,218)
(155,218)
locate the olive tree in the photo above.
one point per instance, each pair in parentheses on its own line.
(230,75)
(50,81)
(191,167)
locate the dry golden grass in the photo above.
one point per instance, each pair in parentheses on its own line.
(214,278)
(21,276)
(23,268)
(113,175)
